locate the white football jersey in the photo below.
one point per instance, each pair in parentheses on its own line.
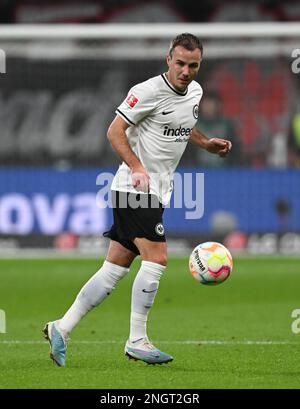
(161,120)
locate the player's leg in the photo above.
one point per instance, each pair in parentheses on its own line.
(100,285)
(153,251)
(119,255)
(93,293)
(145,286)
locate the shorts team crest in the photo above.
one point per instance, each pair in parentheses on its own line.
(159,229)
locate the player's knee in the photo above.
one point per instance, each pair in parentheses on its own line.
(154,252)
(158,259)
(163,260)
(118,254)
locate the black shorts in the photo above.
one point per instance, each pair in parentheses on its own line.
(136,215)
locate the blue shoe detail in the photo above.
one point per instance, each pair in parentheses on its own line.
(57,344)
(147,352)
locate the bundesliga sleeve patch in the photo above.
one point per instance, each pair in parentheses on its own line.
(131,100)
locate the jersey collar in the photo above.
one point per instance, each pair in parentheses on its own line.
(164,77)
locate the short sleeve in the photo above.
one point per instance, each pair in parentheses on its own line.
(139,103)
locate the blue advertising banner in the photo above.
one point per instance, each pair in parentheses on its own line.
(48,201)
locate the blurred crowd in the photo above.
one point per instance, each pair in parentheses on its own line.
(92,11)
(50,115)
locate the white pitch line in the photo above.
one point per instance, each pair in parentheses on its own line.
(186,342)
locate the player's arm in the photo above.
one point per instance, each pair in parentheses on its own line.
(213,145)
(117,137)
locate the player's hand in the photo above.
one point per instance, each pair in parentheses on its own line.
(140,179)
(219,146)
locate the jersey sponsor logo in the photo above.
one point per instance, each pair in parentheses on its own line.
(182,139)
(196,111)
(167,112)
(131,100)
(159,229)
(177,132)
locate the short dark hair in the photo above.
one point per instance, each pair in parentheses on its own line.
(186,40)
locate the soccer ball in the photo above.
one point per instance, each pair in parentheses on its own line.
(210,263)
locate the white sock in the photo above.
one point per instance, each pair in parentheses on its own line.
(144,290)
(92,294)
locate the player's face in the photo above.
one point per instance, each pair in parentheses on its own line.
(183,66)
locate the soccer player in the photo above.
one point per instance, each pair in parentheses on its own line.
(150,132)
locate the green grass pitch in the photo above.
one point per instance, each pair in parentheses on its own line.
(235,335)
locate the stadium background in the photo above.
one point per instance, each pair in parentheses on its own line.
(57,100)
